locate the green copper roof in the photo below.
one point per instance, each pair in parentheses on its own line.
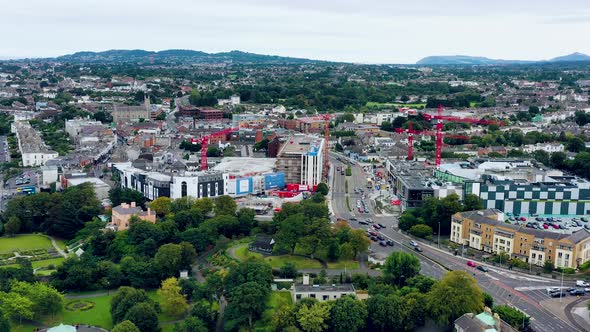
(486,319)
(62,328)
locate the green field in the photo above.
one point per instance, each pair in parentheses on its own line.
(99,315)
(372,104)
(344,264)
(24,242)
(242,253)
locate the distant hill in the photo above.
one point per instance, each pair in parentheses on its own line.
(174,56)
(572,57)
(474,60)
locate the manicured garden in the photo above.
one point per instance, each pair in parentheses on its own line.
(92,309)
(24,242)
(33,247)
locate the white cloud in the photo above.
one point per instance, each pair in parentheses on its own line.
(347,30)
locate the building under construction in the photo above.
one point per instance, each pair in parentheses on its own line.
(301,159)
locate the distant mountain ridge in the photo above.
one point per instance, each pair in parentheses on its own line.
(174,55)
(475,60)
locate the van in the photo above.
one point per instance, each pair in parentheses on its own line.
(582,283)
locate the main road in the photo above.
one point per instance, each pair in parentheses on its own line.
(500,283)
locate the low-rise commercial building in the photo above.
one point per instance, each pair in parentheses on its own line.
(486,230)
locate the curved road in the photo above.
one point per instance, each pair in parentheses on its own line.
(499,283)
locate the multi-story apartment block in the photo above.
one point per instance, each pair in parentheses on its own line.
(33,150)
(486,230)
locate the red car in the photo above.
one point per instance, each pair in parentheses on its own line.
(375,226)
(522,219)
(472,264)
(372,233)
(545,226)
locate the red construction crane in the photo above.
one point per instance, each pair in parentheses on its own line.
(439,127)
(204,141)
(411,132)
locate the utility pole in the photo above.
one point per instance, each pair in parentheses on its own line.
(439,235)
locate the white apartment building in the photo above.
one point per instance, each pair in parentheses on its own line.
(31,146)
(547,147)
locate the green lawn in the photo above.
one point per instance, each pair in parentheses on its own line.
(47,262)
(99,315)
(277,262)
(24,242)
(348,264)
(372,104)
(274,301)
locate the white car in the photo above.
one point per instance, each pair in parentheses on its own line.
(553,289)
(413,243)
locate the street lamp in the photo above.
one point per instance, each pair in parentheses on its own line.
(439,235)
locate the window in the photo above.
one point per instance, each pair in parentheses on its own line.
(298,296)
(325,297)
(312,295)
(183,189)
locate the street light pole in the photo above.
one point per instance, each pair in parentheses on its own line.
(439,235)
(561,288)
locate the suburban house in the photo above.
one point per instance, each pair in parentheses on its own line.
(321,292)
(122,214)
(485,321)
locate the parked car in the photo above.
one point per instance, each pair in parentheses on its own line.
(582,283)
(375,226)
(584,219)
(374,238)
(353,219)
(577,291)
(552,289)
(522,219)
(389,243)
(380,237)
(372,233)
(472,264)
(545,226)
(482,268)
(363,222)
(383,243)
(381,225)
(418,249)
(369,220)
(558,294)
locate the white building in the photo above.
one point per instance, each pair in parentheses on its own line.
(31,146)
(547,147)
(75,126)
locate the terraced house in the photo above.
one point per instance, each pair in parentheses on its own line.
(486,230)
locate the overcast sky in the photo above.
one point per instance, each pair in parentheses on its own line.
(368,31)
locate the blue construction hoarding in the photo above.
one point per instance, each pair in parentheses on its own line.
(274,181)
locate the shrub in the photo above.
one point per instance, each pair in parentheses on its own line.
(79,305)
(421,230)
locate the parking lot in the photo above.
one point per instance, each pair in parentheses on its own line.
(4,151)
(556,224)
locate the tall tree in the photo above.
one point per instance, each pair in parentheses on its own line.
(16,306)
(168,259)
(249,299)
(144,317)
(173,302)
(400,266)
(12,227)
(457,293)
(348,314)
(386,313)
(225,205)
(161,205)
(125,298)
(314,318)
(359,242)
(472,202)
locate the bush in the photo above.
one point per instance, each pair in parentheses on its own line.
(421,231)
(548,267)
(79,305)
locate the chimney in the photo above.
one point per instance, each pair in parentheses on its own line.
(306,279)
(125,205)
(132,204)
(497,322)
(149,212)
